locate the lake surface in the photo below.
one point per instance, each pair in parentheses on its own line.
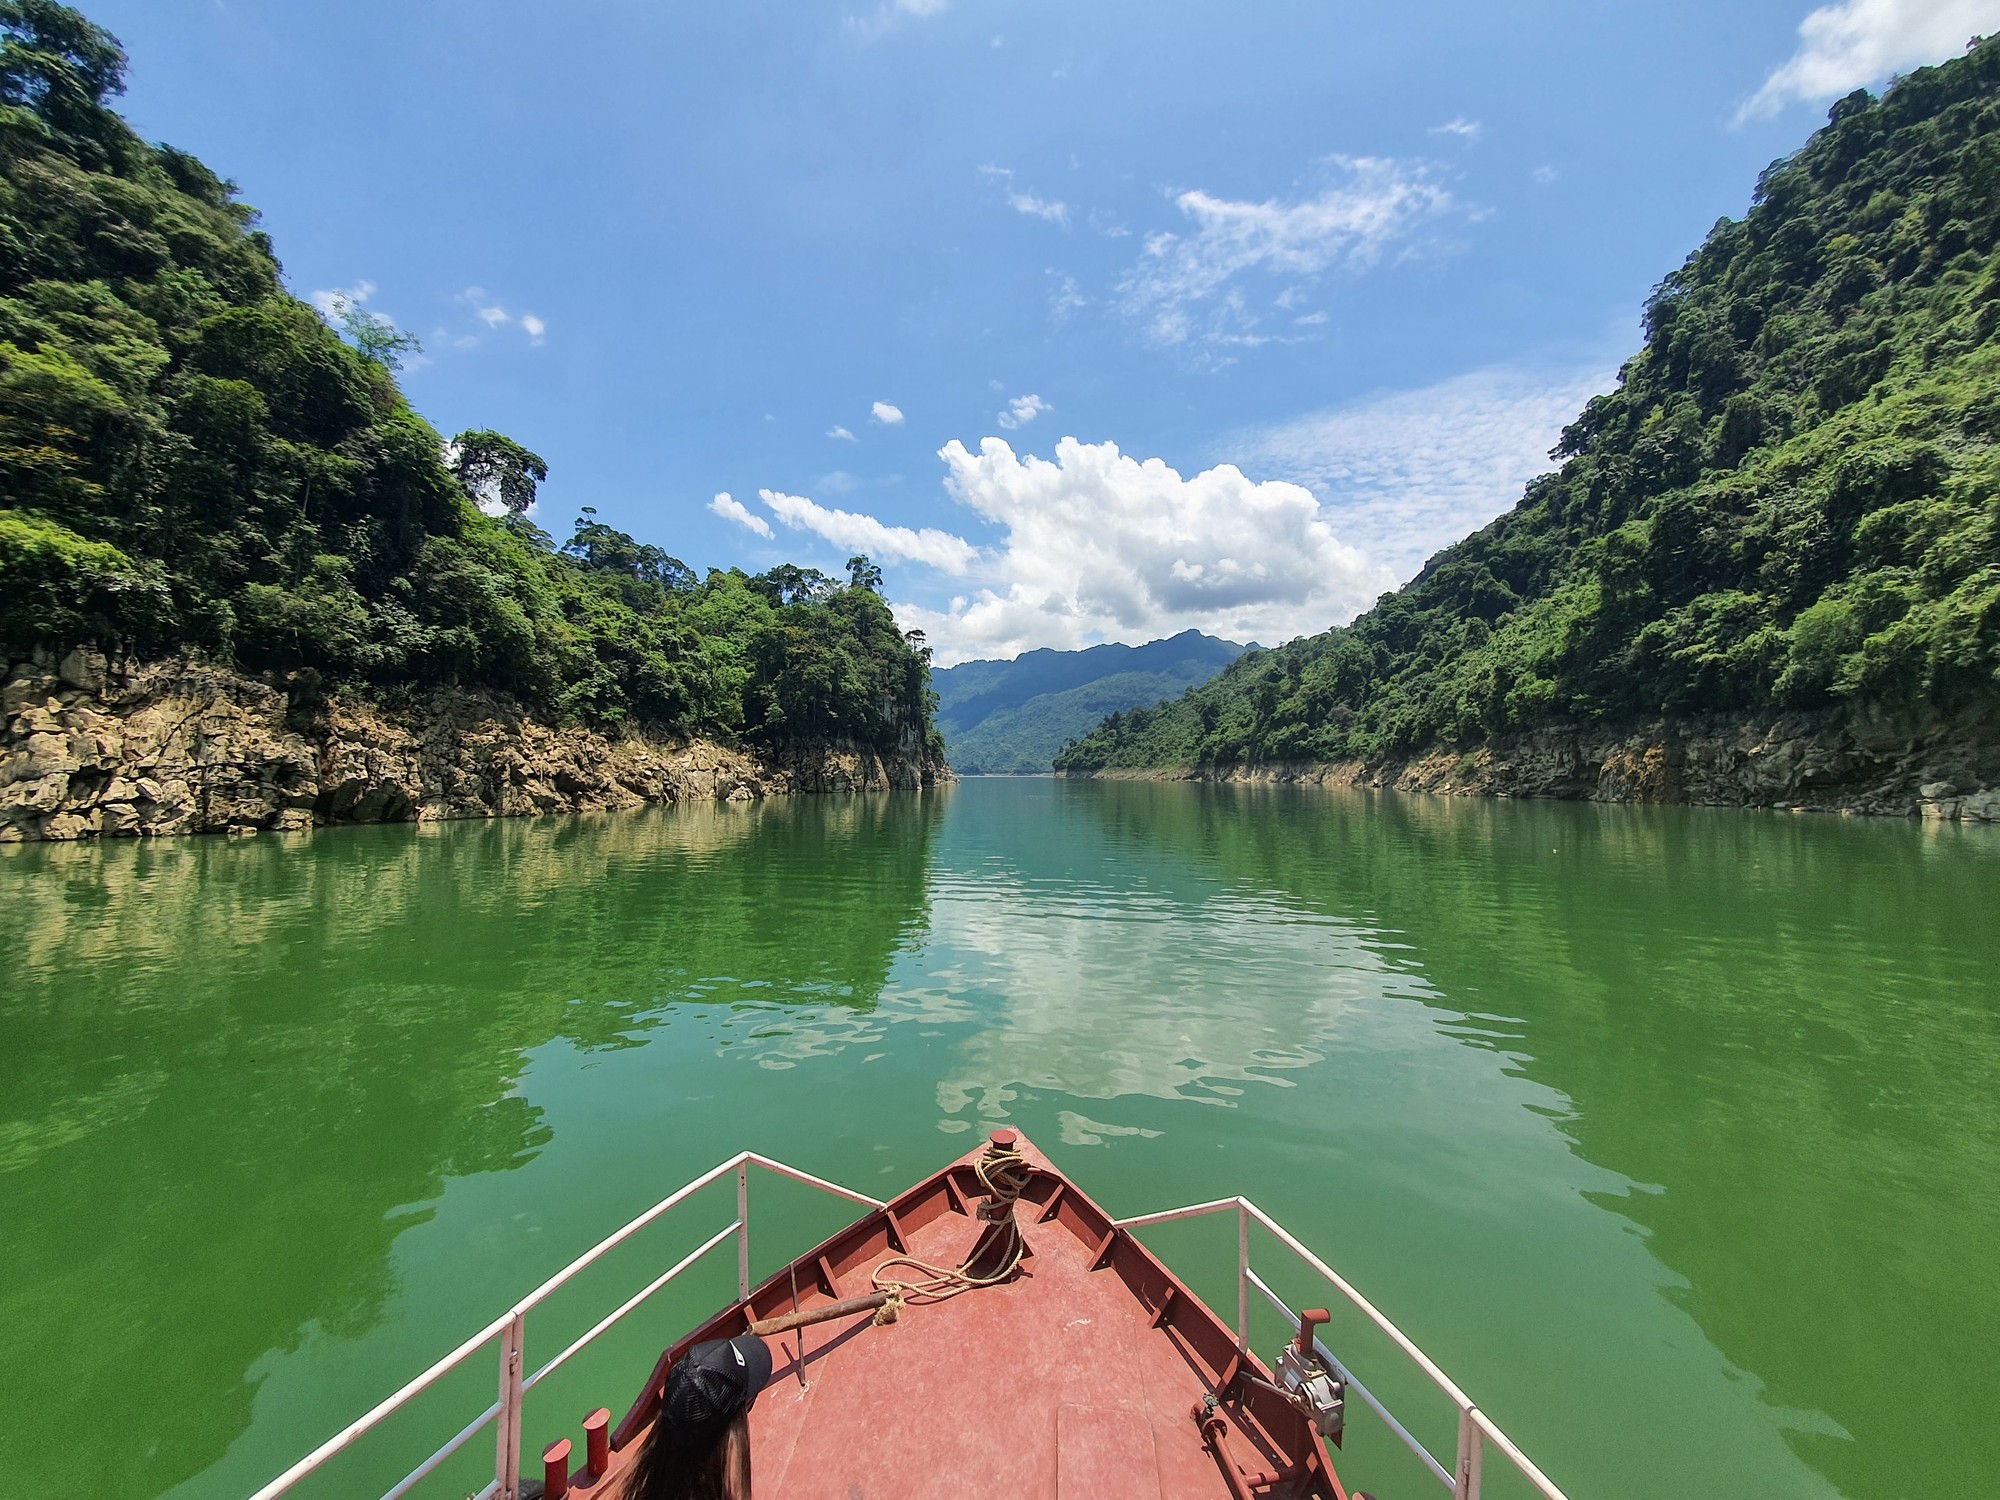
(1674,1135)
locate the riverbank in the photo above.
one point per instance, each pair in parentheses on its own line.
(1939,768)
(92,749)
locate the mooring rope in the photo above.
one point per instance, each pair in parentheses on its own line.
(1005,1174)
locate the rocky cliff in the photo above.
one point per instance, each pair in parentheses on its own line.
(91,748)
(1945,769)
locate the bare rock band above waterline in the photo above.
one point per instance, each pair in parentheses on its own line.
(1944,769)
(90,748)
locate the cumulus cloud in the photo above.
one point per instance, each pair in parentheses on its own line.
(1102,546)
(1022,410)
(859,533)
(731,509)
(1855,43)
(534,327)
(1022,202)
(1180,290)
(843,434)
(1464,129)
(1406,473)
(887,415)
(1093,544)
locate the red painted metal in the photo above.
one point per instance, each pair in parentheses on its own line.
(1312,1319)
(597,1442)
(1072,1380)
(555,1469)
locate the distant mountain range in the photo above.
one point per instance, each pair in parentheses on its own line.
(1011,717)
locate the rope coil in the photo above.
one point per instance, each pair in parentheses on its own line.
(1005,1174)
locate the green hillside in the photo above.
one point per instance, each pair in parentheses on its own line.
(1790,502)
(191,460)
(1011,717)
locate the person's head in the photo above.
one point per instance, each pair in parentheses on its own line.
(699,1448)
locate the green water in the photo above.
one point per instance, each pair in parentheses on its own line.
(1673,1134)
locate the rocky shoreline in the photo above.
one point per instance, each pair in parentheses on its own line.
(90,748)
(1946,769)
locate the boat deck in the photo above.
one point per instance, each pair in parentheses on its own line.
(1076,1381)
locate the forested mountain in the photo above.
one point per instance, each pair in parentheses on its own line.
(1790,504)
(1011,717)
(193,461)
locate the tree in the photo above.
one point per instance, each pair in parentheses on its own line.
(863,574)
(497,470)
(605,549)
(61,67)
(789,584)
(378,339)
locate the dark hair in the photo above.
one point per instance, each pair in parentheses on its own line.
(677,1464)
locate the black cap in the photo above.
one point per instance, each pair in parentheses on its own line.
(713,1384)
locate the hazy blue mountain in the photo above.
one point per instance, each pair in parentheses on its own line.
(1002,717)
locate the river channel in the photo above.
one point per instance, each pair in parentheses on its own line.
(1672,1134)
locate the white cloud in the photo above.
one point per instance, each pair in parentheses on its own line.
(1023,202)
(886,15)
(492,315)
(1022,410)
(331,301)
(1378,202)
(335,304)
(1101,546)
(859,533)
(887,415)
(1464,129)
(1544,174)
(1855,43)
(731,509)
(1065,299)
(1406,473)
(843,434)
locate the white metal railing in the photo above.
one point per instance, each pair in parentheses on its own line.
(511,1330)
(1476,1430)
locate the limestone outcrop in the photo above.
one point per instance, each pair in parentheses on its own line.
(1931,767)
(90,748)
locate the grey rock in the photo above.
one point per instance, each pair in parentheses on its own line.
(182,747)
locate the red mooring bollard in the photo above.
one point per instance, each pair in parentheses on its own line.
(555,1469)
(597,1443)
(1005,1140)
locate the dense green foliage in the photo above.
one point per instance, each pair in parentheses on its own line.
(1792,501)
(1009,718)
(192,460)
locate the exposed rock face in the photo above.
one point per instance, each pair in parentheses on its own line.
(87,749)
(1933,768)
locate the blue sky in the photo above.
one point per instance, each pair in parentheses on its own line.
(1088,321)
